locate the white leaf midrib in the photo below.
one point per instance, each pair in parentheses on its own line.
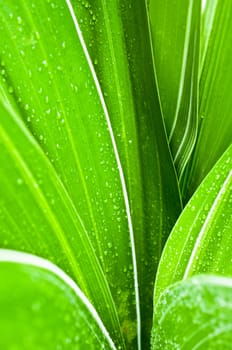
(13,256)
(206,224)
(122,178)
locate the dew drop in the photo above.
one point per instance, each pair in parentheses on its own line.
(193,208)
(19,20)
(37,35)
(19,181)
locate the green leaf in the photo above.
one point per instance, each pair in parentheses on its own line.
(207,20)
(175,27)
(194,314)
(117,37)
(42,308)
(64,196)
(69,119)
(201,239)
(215,97)
(37,215)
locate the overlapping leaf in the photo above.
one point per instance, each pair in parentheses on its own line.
(63,157)
(215,96)
(194,314)
(117,36)
(38,216)
(42,308)
(47,74)
(201,239)
(175,27)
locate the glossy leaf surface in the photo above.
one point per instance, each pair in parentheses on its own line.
(42,308)
(201,239)
(215,96)
(194,314)
(64,133)
(175,27)
(38,216)
(117,37)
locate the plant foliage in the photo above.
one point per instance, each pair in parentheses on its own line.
(113,114)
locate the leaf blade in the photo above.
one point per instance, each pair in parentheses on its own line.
(43,89)
(47,218)
(175,31)
(48,308)
(119,32)
(204,224)
(181,322)
(214,93)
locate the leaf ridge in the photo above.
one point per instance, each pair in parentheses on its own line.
(207,222)
(29,259)
(76,221)
(124,189)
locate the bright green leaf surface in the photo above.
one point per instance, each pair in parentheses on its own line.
(201,239)
(46,71)
(79,109)
(175,27)
(117,36)
(207,19)
(215,96)
(42,308)
(194,314)
(37,215)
